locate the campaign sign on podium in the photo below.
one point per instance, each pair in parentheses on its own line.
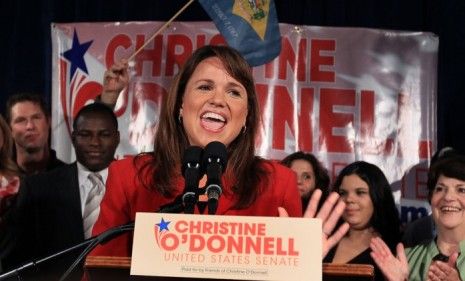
(227,247)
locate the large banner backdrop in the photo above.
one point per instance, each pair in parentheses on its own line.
(343,94)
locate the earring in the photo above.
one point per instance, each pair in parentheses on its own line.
(244,129)
(180,116)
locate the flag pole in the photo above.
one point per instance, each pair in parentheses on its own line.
(160,29)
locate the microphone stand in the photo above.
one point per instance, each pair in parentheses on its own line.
(97,240)
(90,244)
(176,206)
(35,263)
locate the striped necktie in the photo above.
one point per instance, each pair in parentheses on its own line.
(92,207)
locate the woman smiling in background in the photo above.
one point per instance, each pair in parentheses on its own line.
(441,258)
(370,212)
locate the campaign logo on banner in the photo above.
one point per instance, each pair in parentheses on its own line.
(226,247)
(75,86)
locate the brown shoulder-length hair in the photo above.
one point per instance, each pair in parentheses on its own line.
(321,174)
(452,166)
(7,165)
(244,168)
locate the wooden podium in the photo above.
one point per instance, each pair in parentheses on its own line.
(117,269)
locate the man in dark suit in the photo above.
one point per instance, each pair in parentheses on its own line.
(53,209)
(29,120)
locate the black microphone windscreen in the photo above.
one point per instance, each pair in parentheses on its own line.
(192,156)
(215,150)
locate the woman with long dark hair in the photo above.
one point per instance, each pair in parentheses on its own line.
(370,212)
(212,98)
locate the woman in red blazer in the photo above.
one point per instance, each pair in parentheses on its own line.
(213,98)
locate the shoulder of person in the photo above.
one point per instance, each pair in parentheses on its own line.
(50,175)
(135,161)
(421,249)
(276,168)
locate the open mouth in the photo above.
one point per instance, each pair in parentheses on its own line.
(213,121)
(450,209)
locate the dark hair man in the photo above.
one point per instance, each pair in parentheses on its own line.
(29,120)
(57,209)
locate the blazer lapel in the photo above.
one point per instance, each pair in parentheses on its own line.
(74,198)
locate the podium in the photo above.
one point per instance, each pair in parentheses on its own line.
(102,268)
(339,272)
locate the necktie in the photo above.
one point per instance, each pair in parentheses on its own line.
(92,207)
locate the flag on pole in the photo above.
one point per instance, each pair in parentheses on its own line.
(249,26)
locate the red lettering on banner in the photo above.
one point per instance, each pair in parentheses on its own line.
(336,168)
(425,149)
(146,92)
(152,56)
(415,181)
(330,120)
(298,64)
(304,60)
(262,94)
(217,39)
(175,56)
(421,182)
(287,58)
(120,40)
(88,91)
(318,60)
(201,38)
(283,114)
(305,137)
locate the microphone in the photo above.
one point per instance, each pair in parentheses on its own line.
(191,170)
(192,173)
(214,161)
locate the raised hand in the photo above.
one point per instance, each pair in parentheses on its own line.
(393,268)
(445,271)
(329,213)
(115,80)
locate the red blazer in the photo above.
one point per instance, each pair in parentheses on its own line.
(125,195)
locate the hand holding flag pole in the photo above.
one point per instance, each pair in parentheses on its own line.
(252,29)
(116,78)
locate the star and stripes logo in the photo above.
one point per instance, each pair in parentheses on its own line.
(76,86)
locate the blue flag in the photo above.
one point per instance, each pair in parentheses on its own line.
(249,26)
